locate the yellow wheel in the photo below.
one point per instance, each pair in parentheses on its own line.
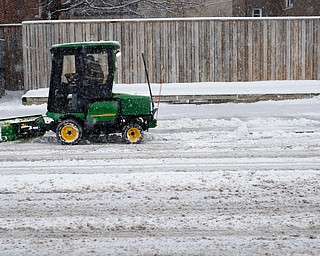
(69,132)
(132,133)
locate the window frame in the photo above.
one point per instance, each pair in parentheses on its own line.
(256,9)
(289,3)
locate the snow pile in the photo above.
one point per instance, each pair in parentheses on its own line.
(217,88)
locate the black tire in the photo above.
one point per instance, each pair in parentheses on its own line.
(69,132)
(132,133)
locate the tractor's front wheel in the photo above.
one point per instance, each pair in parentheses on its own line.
(132,133)
(69,132)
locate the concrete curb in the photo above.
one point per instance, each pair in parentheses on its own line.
(238,98)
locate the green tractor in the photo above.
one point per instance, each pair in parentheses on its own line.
(81,102)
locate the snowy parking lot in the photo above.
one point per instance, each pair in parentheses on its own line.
(227,179)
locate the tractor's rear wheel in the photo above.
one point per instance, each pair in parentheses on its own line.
(69,132)
(132,133)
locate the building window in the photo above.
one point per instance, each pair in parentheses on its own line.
(256,12)
(289,3)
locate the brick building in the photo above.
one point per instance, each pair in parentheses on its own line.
(196,8)
(16,11)
(270,8)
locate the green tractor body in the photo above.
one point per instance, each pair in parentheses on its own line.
(81,101)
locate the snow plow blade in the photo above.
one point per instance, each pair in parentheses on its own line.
(19,128)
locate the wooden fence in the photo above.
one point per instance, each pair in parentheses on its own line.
(187,50)
(13,63)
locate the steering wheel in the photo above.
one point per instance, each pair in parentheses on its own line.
(71,78)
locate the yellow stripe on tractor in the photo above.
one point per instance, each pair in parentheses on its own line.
(103,115)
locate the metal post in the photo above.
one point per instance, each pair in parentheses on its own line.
(147,75)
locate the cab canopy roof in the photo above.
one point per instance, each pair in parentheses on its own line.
(110,44)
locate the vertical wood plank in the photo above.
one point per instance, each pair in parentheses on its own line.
(303,49)
(218,52)
(317,28)
(234,50)
(265,62)
(288,47)
(226,52)
(250,55)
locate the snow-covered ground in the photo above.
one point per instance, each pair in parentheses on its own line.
(227,179)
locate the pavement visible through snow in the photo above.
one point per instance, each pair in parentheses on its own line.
(227,179)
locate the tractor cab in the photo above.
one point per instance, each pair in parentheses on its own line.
(81,101)
(82,73)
